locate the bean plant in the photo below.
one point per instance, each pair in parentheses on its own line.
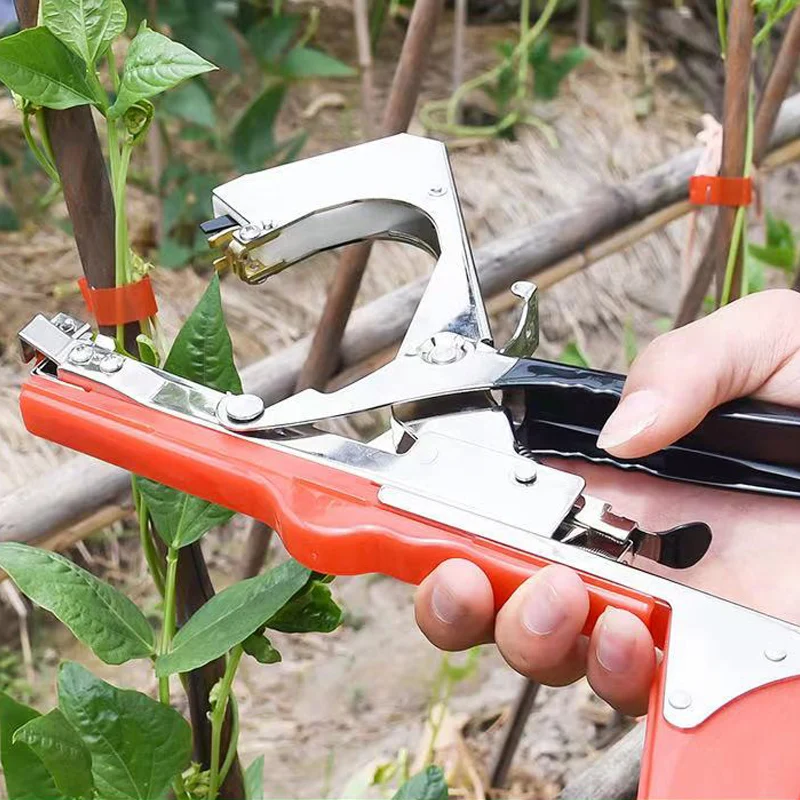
(101,740)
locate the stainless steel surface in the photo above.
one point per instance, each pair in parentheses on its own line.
(111,363)
(525,473)
(444,348)
(365,192)
(406,379)
(82,354)
(525,340)
(242,408)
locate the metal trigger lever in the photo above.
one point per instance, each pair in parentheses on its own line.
(593,526)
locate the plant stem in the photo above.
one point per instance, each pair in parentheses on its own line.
(44,161)
(150,554)
(234,741)
(168,630)
(522,73)
(722,27)
(527,38)
(276,7)
(738,224)
(218,717)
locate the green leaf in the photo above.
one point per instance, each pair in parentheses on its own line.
(427,785)
(25,775)
(180,518)
(43,70)
(137,745)
(306,62)
(191,103)
(202,351)
(270,39)
(208,33)
(550,72)
(87,27)
(154,64)
(9,221)
(260,648)
(62,751)
(573,355)
(173,254)
(254,780)
(252,141)
(228,618)
(148,352)
(312,610)
(96,613)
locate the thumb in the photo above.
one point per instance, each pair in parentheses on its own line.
(750,347)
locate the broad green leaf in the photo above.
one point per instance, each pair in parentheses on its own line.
(254,780)
(270,39)
(312,610)
(100,616)
(228,618)
(62,751)
(87,27)
(25,776)
(573,355)
(260,648)
(173,254)
(191,103)
(306,62)
(180,518)
(202,351)
(43,70)
(780,257)
(137,745)
(252,141)
(154,63)
(427,785)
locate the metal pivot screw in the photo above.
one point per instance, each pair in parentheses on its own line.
(67,325)
(244,408)
(444,348)
(680,700)
(253,231)
(437,191)
(111,363)
(525,474)
(82,354)
(775,654)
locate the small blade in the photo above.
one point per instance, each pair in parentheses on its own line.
(679,548)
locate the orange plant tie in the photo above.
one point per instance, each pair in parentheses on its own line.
(713,190)
(121,305)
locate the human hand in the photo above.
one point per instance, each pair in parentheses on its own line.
(749,348)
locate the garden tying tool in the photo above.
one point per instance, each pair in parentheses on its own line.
(459,472)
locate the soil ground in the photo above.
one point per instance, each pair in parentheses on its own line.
(339,702)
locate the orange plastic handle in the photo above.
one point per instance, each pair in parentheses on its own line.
(333,522)
(746,750)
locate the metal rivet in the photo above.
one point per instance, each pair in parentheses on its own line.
(774,654)
(82,354)
(67,325)
(426,453)
(437,191)
(111,363)
(244,408)
(525,473)
(444,348)
(253,231)
(680,700)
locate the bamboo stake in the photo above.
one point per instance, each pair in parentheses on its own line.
(361,22)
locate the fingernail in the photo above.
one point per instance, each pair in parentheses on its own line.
(636,413)
(543,610)
(616,640)
(445,606)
